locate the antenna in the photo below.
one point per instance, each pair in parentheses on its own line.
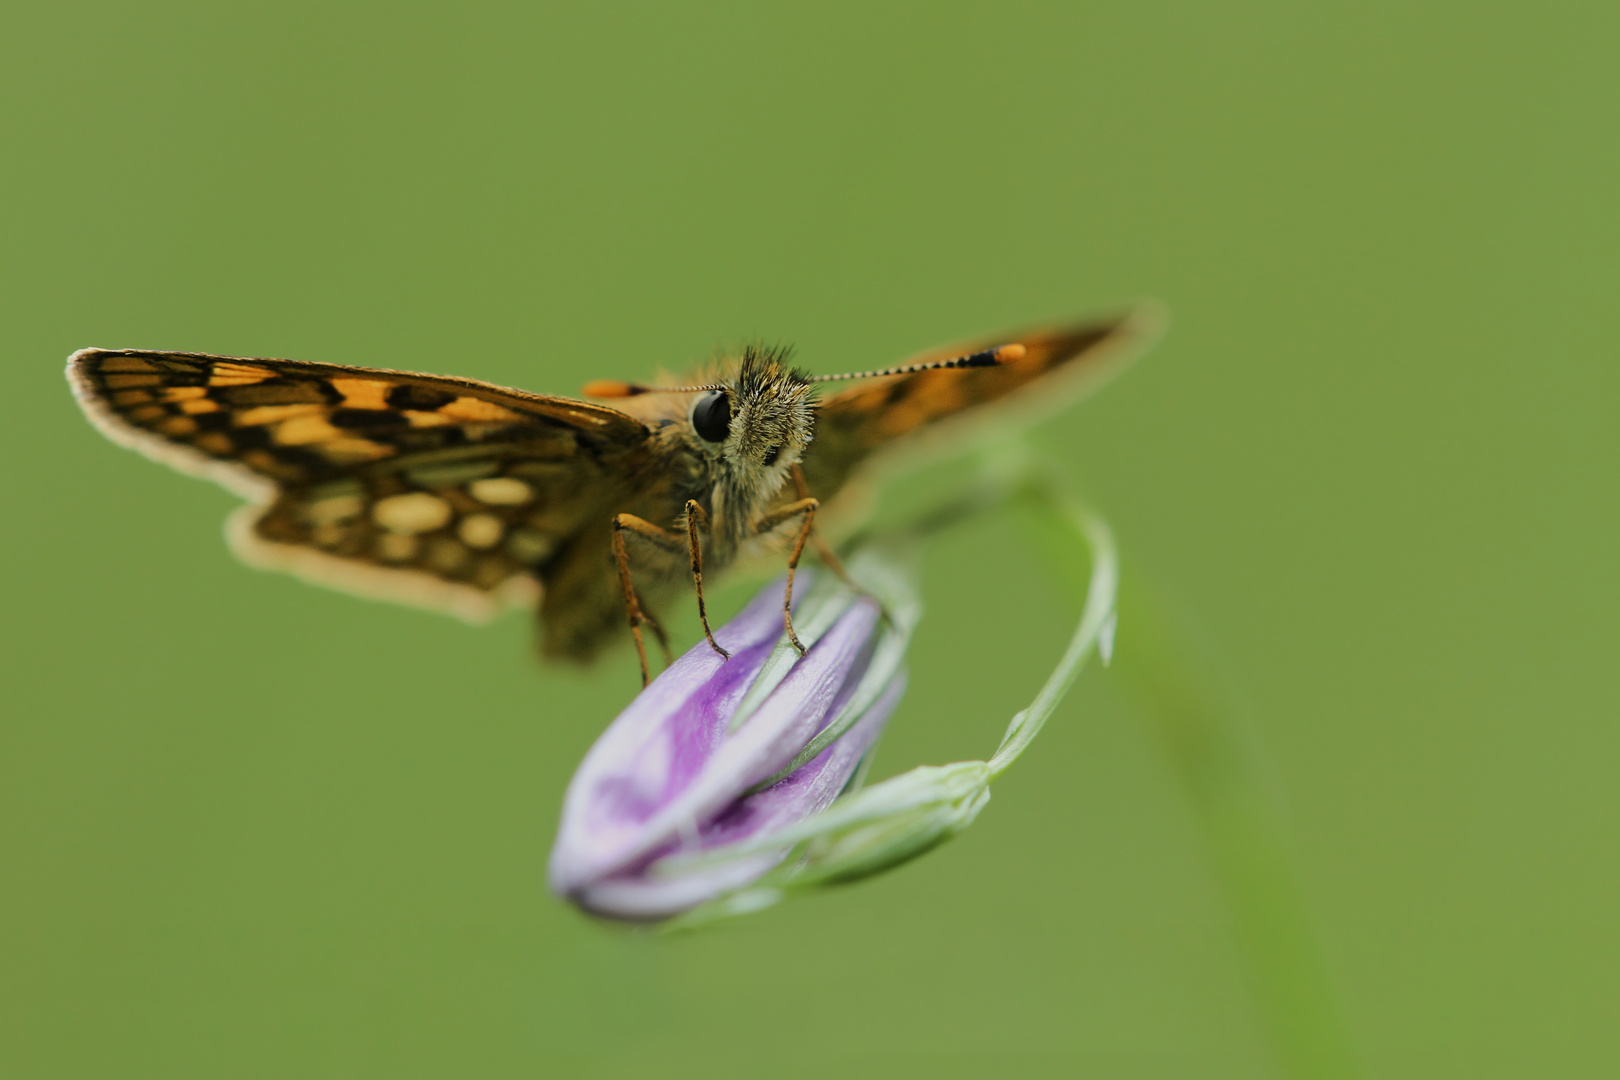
(1001,354)
(611,388)
(988,358)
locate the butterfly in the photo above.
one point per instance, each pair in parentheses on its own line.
(466,496)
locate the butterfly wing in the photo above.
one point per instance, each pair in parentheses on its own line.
(447,493)
(1059,364)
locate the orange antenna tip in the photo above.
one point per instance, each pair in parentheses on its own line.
(610,388)
(1010,352)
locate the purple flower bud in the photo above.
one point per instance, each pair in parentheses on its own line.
(673,775)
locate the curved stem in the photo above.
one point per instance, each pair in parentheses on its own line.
(1096,620)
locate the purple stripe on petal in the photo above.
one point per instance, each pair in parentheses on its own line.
(733,763)
(643,894)
(668,775)
(658,745)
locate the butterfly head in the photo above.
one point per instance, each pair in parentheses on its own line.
(757,421)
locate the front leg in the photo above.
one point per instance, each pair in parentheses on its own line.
(629,523)
(823,549)
(807,509)
(695,515)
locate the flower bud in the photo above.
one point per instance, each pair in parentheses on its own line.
(710,754)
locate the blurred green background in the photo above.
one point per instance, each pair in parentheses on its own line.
(251,828)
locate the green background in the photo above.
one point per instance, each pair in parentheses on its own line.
(252,828)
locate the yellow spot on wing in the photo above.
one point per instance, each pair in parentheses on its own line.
(363,393)
(270,414)
(184,393)
(336,508)
(501,491)
(480,531)
(414,512)
(238,375)
(177,426)
(199,405)
(471,408)
(303,430)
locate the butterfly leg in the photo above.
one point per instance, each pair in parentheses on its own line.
(823,549)
(657,627)
(696,516)
(805,508)
(637,614)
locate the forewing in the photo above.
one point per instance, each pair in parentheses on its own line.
(444,492)
(1059,364)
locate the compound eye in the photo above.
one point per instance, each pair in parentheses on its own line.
(711,416)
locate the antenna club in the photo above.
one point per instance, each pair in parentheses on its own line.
(1010,352)
(611,388)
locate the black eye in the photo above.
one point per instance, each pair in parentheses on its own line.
(711,416)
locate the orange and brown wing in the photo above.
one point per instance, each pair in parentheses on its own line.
(443,492)
(1058,365)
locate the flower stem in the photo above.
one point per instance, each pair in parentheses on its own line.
(1219,767)
(1100,591)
